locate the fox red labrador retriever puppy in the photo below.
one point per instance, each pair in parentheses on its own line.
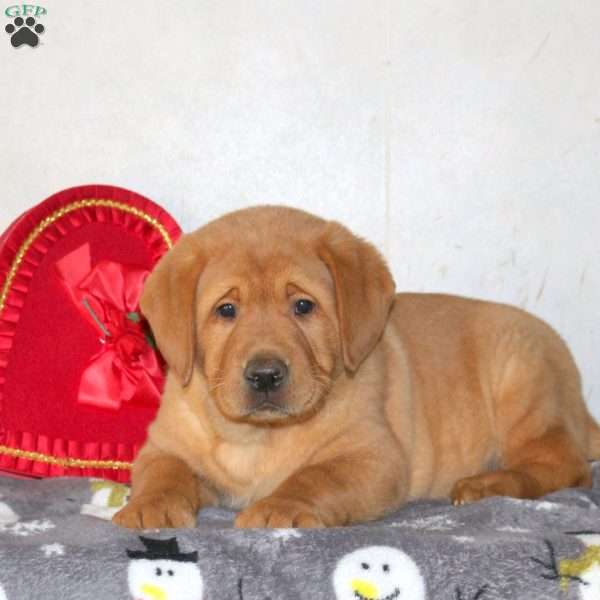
(303,391)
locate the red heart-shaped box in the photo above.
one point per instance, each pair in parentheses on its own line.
(80,378)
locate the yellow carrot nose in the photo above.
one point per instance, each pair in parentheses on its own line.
(154,592)
(364,588)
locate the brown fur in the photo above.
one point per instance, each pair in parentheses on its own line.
(390,397)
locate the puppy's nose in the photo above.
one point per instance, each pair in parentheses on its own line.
(265,374)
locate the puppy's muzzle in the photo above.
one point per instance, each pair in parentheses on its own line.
(265,375)
(265,378)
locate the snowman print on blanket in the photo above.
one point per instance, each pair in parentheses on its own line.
(586,565)
(2,594)
(7,516)
(378,573)
(107,499)
(162,572)
(582,570)
(585,568)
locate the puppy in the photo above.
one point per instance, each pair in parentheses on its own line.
(302,391)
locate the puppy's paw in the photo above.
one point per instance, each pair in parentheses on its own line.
(471,489)
(468,490)
(154,512)
(278,512)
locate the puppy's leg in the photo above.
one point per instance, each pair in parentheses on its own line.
(540,421)
(336,492)
(165,493)
(539,467)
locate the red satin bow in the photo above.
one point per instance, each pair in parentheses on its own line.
(126,367)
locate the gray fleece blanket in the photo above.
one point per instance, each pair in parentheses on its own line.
(57,541)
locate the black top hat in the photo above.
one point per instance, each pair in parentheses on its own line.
(162,550)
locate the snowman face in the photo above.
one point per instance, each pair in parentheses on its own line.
(589,588)
(164,580)
(377,573)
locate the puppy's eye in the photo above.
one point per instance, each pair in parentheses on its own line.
(303,306)
(227,311)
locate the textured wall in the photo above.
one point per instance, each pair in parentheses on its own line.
(462,137)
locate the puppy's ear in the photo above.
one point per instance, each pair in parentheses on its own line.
(168,302)
(364,291)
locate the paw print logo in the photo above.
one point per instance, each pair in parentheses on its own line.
(24,32)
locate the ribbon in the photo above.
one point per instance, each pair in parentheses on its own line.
(126,367)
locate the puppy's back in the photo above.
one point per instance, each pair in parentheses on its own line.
(481,374)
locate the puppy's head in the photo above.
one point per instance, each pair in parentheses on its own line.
(270,304)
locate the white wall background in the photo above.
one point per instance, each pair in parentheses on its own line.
(462,136)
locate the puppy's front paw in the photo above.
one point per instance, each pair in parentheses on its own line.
(278,512)
(154,512)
